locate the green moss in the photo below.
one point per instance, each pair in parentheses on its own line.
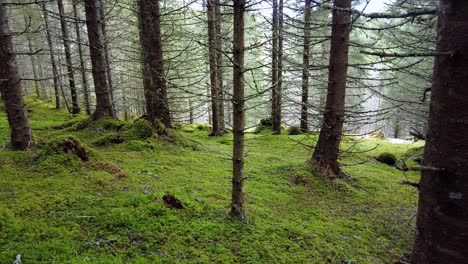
(60,210)
(67,146)
(9,226)
(108,139)
(140,129)
(81,124)
(110,123)
(138,145)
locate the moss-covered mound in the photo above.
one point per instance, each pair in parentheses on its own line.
(387,158)
(294,130)
(66,145)
(139,130)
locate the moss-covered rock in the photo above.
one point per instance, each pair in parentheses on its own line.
(387,158)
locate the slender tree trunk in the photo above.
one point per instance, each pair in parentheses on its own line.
(68,58)
(276,124)
(274,70)
(214,80)
(82,62)
(106,53)
(98,60)
(191,111)
(219,65)
(327,148)
(33,61)
(57,84)
(237,205)
(152,46)
(442,218)
(305,68)
(10,86)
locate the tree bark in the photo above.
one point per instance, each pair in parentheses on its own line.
(82,62)
(214,80)
(145,41)
(98,60)
(57,83)
(33,61)
(277,118)
(304,126)
(107,55)
(68,58)
(327,148)
(442,219)
(153,55)
(274,70)
(237,205)
(219,65)
(10,86)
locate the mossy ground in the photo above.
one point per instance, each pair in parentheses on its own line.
(74,212)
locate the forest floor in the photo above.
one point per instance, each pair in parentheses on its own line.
(55,208)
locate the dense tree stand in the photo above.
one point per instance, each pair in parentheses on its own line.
(327,148)
(442,220)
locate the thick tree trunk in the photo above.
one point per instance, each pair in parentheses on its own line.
(305,68)
(153,54)
(274,70)
(107,55)
(214,80)
(10,86)
(98,60)
(145,40)
(57,83)
(442,219)
(237,205)
(327,148)
(82,62)
(68,58)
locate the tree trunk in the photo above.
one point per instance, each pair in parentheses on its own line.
(33,60)
(327,148)
(305,68)
(57,83)
(274,70)
(68,58)
(152,49)
(276,122)
(106,53)
(214,85)
(82,62)
(219,65)
(442,219)
(10,85)
(145,40)
(237,205)
(98,60)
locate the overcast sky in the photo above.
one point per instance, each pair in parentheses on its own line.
(374,5)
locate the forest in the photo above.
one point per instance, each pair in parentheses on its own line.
(234,131)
